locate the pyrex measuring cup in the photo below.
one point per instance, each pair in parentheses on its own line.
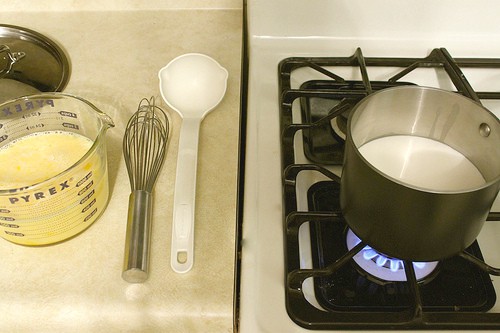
(64,204)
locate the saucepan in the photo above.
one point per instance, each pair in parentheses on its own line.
(421,171)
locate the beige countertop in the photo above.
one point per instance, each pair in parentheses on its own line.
(76,286)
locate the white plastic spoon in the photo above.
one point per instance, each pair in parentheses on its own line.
(192,84)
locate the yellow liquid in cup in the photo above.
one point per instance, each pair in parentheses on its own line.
(59,208)
(40,156)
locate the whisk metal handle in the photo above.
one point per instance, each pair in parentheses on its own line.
(136,261)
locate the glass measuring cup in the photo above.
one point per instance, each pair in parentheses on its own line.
(63,204)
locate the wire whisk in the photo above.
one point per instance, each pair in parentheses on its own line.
(144,148)
(145,144)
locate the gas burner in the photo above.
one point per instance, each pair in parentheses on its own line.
(384,268)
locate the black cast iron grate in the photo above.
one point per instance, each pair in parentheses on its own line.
(322,145)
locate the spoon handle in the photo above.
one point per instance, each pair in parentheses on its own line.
(182,249)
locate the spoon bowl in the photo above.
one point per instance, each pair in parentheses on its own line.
(193,84)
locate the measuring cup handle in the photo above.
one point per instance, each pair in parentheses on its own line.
(136,261)
(182,249)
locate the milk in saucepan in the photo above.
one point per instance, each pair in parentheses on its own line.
(422,162)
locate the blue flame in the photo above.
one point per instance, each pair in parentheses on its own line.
(384,261)
(385,267)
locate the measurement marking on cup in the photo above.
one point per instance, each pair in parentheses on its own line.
(87,197)
(89,206)
(68,114)
(9,225)
(32,114)
(70,125)
(86,188)
(84,179)
(35,126)
(18,234)
(90,215)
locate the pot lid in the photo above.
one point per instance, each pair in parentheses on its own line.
(33,59)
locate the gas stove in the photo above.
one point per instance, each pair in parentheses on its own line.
(301,267)
(359,286)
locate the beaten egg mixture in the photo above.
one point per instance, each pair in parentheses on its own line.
(39,156)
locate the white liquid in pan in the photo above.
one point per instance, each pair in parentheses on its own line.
(422,162)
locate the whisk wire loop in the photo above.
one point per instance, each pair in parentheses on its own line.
(144,144)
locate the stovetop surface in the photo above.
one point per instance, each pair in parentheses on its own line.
(273,39)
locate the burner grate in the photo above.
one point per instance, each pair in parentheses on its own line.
(316,128)
(339,95)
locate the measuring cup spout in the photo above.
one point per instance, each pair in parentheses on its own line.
(106,120)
